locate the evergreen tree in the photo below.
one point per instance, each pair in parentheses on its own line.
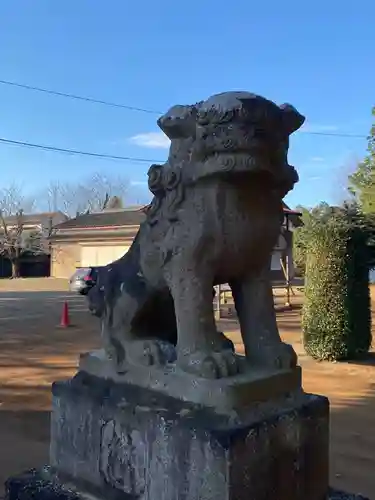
(362,182)
(321,212)
(336,318)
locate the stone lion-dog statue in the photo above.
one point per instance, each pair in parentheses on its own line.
(215,218)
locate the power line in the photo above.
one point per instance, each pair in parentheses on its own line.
(79,97)
(145,110)
(334,134)
(103,155)
(78,152)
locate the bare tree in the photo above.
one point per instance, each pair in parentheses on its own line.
(12,200)
(50,197)
(14,238)
(89,195)
(340,187)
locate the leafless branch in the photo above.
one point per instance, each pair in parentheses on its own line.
(89,195)
(340,187)
(12,200)
(13,237)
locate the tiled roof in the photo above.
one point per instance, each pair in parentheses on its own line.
(130,217)
(108,218)
(43,218)
(294,217)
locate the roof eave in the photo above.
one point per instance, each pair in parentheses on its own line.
(94,233)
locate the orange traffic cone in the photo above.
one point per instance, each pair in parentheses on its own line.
(64,323)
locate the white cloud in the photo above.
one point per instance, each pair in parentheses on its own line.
(156,140)
(138,183)
(317,159)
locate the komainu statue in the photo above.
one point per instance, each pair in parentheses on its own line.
(215,218)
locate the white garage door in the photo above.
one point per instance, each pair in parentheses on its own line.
(118,252)
(88,256)
(101,255)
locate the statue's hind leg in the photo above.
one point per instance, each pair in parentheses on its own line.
(131,345)
(256,312)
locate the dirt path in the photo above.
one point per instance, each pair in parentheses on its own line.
(35,353)
(33,284)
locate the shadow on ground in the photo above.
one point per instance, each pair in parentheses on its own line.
(33,294)
(368,360)
(352,442)
(24,437)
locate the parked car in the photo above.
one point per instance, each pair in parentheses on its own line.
(83,280)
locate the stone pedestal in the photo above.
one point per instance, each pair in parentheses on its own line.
(110,438)
(117,441)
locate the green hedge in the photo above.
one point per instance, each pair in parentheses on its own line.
(336,318)
(299,251)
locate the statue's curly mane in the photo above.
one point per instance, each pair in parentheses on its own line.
(166,184)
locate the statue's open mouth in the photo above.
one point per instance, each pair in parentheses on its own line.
(241,163)
(243,155)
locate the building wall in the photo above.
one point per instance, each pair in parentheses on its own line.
(102,254)
(66,257)
(30,266)
(282,265)
(5,267)
(35,266)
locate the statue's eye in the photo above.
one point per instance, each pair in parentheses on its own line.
(202,118)
(224,116)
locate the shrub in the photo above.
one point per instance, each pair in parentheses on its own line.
(336,319)
(299,251)
(321,212)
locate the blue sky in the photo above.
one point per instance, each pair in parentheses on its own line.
(316,55)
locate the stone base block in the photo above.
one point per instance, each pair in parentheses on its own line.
(117,440)
(251,385)
(43,485)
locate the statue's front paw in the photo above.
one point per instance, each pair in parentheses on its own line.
(281,356)
(287,357)
(148,352)
(212,365)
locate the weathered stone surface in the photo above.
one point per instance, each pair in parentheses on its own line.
(109,436)
(215,218)
(38,485)
(341,495)
(44,485)
(226,396)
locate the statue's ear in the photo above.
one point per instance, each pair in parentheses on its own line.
(292,120)
(179,122)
